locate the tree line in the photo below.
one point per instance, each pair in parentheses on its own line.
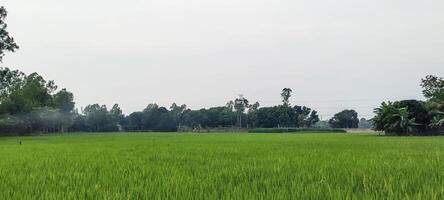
(29,103)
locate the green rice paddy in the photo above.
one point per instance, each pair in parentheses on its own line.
(221,166)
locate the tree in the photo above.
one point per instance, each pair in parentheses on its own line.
(166,122)
(301,113)
(267,117)
(79,122)
(286,94)
(438,120)
(345,119)
(312,119)
(25,93)
(134,121)
(194,118)
(116,116)
(64,101)
(406,124)
(399,118)
(240,104)
(178,112)
(433,88)
(412,117)
(96,117)
(150,115)
(10,81)
(37,91)
(28,100)
(7,42)
(418,111)
(230,105)
(384,117)
(285,116)
(254,107)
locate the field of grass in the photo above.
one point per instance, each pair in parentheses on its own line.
(221,166)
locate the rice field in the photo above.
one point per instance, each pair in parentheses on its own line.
(221,166)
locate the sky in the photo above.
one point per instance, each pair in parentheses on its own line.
(334,54)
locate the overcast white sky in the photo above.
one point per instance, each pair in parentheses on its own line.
(334,54)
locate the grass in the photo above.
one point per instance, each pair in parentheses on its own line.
(222,166)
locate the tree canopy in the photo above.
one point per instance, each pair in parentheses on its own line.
(7,42)
(345,119)
(285,95)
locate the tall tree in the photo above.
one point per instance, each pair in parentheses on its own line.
(230,105)
(286,94)
(7,42)
(64,101)
(116,115)
(240,104)
(96,117)
(31,92)
(433,88)
(302,114)
(10,81)
(178,112)
(312,119)
(345,119)
(253,107)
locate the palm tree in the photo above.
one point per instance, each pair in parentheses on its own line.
(286,94)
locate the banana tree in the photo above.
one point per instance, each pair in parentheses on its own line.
(394,120)
(438,120)
(402,119)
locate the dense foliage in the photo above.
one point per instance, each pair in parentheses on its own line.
(412,117)
(345,119)
(238,113)
(29,103)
